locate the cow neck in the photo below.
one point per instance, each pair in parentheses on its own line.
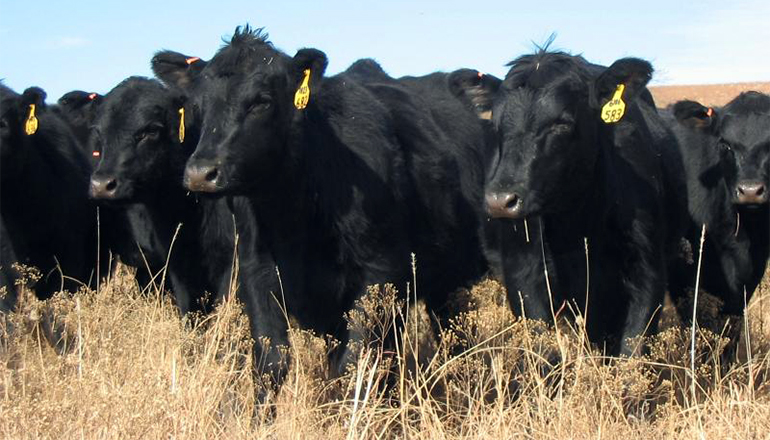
(302,195)
(49,166)
(167,208)
(756,223)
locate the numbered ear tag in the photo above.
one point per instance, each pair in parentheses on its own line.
(92,96)
(710,112)
(181,125)
(613,111)
(302,97)
(96,153)
(30,126)
(191,60)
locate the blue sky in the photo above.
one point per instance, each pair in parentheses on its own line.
(92,45)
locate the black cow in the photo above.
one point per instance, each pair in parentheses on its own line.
(727,160)
(143,144)
(578,197)
(344,179)
(48,221)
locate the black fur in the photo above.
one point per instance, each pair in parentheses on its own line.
(340,193)
(47,219)
(137,134)
(567,178)
(724,147)
(78,108)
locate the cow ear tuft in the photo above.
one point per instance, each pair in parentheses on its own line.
(476,89)
(694,114)
(632,73)
(176,69)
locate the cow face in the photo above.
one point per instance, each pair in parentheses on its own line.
(137,137)
(744,132)
(548,118)
(19,123)
(740,135)
(244,99)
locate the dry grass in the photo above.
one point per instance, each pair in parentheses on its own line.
(124,366)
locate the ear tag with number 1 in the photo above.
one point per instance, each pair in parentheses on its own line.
(302,97)
(181,125)
(614,110)
(30,126)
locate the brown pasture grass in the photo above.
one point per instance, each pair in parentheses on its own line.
(121,364)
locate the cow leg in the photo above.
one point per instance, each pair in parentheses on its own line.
(269,329)
(644,283)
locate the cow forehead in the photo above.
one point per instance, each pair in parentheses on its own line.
(130,111)
(533,109)
(748,130)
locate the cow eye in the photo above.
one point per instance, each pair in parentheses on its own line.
(151,132)
(560,128)
(260,104)
(3,124)
(724,146)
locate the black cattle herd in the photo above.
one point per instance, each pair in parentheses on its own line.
(563,180)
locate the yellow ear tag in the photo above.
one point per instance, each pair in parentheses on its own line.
(181,125)
(614,110)
(302,97)
(30,126)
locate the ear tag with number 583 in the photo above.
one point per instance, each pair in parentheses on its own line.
(302,96)
(613,111)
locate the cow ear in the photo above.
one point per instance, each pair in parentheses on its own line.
(309,66)
(34,95)
(694,115)
(632,73)
(32,106)
(176,69)
(475,88)
(79,99)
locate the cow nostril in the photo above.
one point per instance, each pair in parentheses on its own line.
(761,190)
(512,201)
(111,185)
(212,175)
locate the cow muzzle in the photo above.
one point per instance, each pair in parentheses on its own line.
(504,205)
(201,178)
(751,193)
(103,187)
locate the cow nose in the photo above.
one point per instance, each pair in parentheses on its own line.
(751,193)
(201,178)
(103,187)
(503,205)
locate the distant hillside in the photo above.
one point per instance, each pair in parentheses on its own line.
(713,94)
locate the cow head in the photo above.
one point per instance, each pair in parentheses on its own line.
(78,101)
(547,114)
(140,140)
(245,101)
(20,122)
(79,109)
(744,130)
(740,133)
